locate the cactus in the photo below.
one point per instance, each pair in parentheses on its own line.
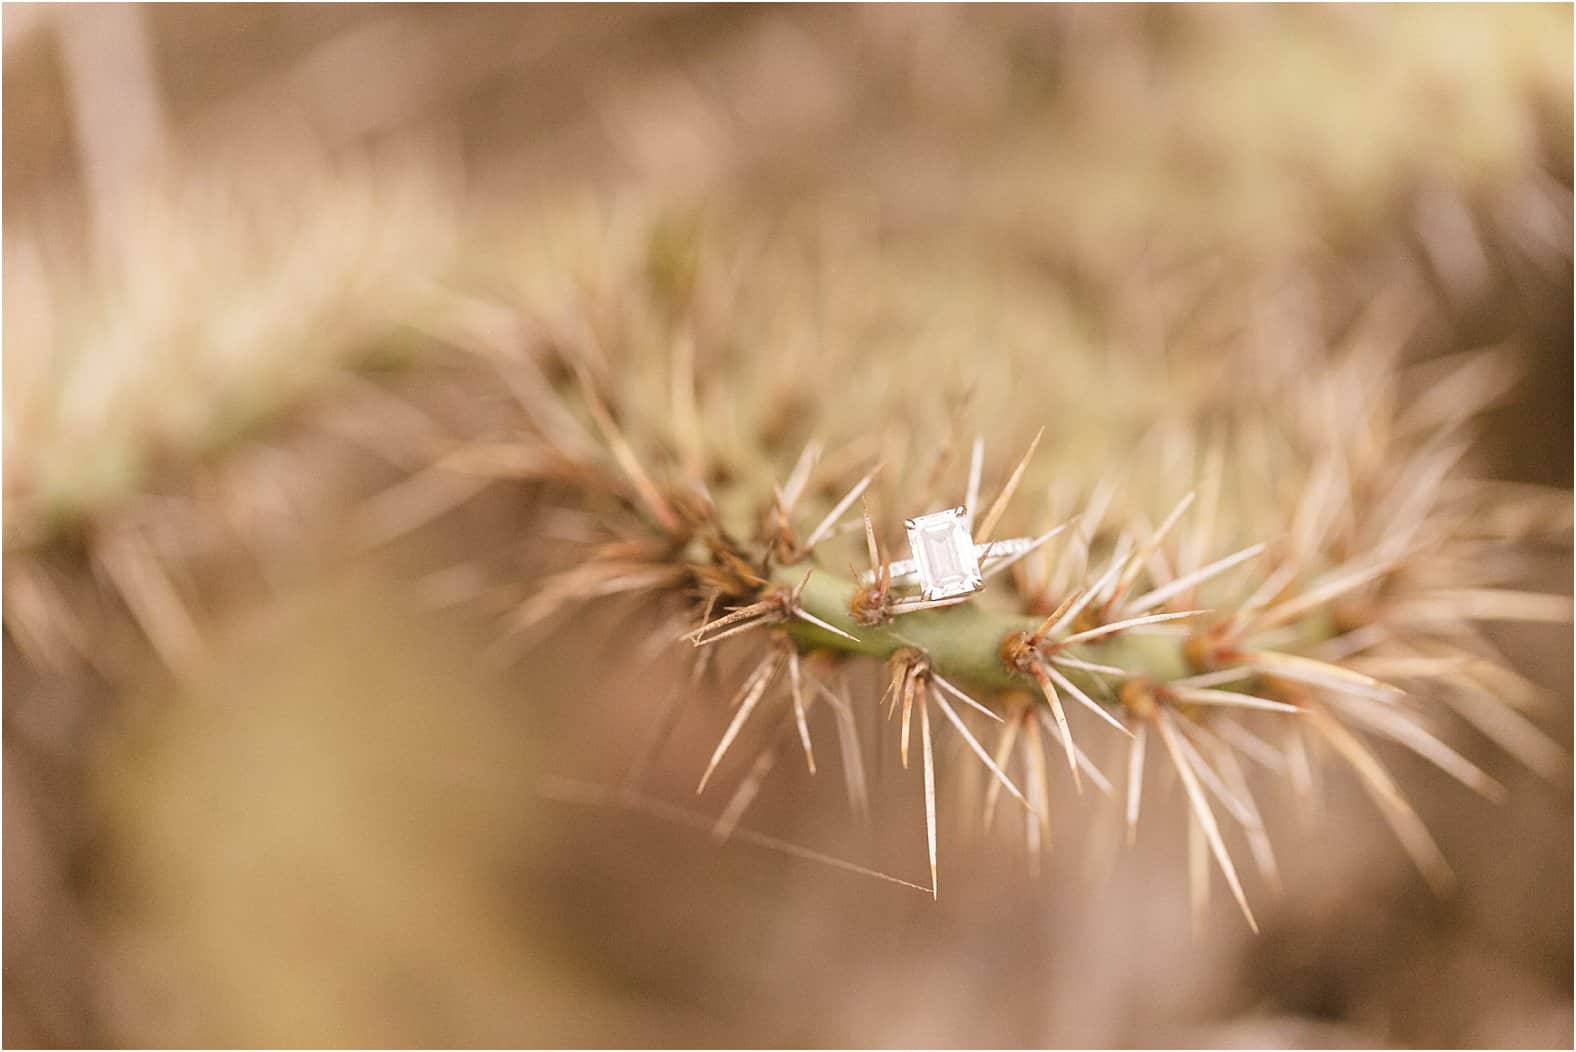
(1235,566)
(1151,237)
(1241,531)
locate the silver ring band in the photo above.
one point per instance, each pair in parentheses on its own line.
(903,571)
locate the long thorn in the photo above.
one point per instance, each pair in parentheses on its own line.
(1201,811)
(848,746)
(950,688)
(1136,563)
(825,626)
(872,545)
(1093,706)
(930,790)
(1048,686)
(1135,780)
(971,495)
(1322,674)
(1409,828)
(973,743)
(1034,546)
(1009,735)
(1122,626)
(799,708)
(1202,696)
(1068,661)
(832,516)
(1160,595)
(573,792)
(744,795)
(1071,610)
(743,613)
(1011,487)
(624,453)
(1086,765)
(1037,820)
(1389,722)
(760,622)
(1319,595)
(910,682)
(757,688)
(793,489)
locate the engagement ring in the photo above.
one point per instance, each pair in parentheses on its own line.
(946,563)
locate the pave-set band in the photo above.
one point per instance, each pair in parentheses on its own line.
(906,571)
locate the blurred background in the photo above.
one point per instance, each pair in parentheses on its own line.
(259,786)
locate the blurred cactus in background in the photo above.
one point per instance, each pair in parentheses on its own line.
(419,420)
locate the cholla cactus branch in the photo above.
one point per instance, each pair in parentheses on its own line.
(1313,579)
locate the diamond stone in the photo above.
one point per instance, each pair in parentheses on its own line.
(944,554)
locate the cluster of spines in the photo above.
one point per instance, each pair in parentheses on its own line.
(1320,650)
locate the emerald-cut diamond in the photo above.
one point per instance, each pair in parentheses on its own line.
(944,556)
